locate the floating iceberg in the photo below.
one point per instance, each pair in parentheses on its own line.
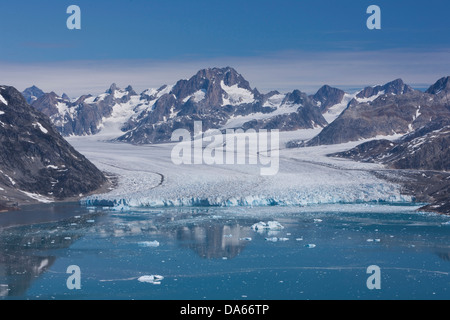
(275,239)
(310,246)
(270,225)
(148,244)
(153,279)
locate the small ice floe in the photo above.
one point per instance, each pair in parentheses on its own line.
(270,225)
(310,246)
(446,223)
(318,220)
(148,244)
(245,239)
(275,239)
(228,236)
(90,221)
(153,279)
(299,239)
(67,238)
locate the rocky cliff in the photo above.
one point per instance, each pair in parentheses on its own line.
(36,163)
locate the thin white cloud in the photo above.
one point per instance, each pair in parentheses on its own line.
(283,71)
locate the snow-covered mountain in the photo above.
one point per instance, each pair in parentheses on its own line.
(88,114)
(219,97)
(394,108)
(427,148)
(222,99)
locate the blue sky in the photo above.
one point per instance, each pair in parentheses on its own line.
(301,44)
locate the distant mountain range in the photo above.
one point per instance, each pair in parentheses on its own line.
(394,108)
(220,97)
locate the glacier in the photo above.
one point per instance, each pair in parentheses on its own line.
(148,178)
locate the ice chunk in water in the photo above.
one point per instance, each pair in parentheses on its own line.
(310,246)
(147,244)
(270,225)
(153,279)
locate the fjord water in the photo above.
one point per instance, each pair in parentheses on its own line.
(213,253)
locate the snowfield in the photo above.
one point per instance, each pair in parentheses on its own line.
(148,178)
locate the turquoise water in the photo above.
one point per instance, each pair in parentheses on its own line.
(213,253)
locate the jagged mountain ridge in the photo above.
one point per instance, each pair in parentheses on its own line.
(427,148)
(219,97)
(36,162)
(394,108)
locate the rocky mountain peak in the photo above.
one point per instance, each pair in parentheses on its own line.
(32,94)
(130,91)
(210,85)
(394,87)
(328,96)
(65,97)
(442,85)
(295,97)
(112,89)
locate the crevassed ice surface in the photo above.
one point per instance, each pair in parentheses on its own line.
(148,178)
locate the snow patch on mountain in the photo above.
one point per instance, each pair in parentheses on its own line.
(334,112)
(3,100)
(235,95)
(371,98)
(40,127)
